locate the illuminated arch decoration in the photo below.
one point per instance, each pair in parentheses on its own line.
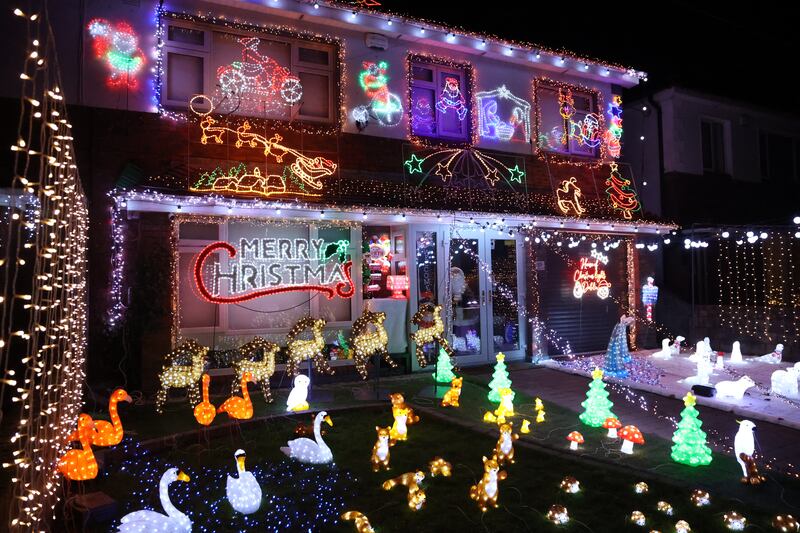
(568,198)
(621,194)
(591,277)
(275,266)
(384,106)
(500,102)
(613,135)
(117,44)
(301,176)
(257,82)
(464,164)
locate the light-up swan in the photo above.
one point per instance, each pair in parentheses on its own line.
(244,492)
(204,412)
(110,433)
(311,451)
(80,465)
(237,407)
(148,521)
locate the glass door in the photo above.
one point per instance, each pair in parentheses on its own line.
(505,278)
(468,297)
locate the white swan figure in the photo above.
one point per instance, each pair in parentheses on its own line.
(147,521)
(311,451)
(244,492)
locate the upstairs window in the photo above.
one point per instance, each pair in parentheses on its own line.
(269,76)
(712,137)
(440,104)
(778,156)
(569,121)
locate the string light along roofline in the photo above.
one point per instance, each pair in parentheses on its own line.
(212,205)
(406,27)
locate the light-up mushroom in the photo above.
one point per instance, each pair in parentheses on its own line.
(785,523)
(612,424)
(574,439)
(630,435)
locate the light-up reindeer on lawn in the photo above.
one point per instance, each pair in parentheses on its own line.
(426,334)
(174,376)
(366,343)
(300,349)
(261,369)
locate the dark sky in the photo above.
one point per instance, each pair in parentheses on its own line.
(745,51)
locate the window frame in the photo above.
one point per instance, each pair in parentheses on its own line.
(466,73)
(595,106)
(765,134)
(333,69)
(723,158)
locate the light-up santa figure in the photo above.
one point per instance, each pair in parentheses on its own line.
(649,298)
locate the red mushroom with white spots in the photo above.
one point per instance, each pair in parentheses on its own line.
(612,424)
(630,435)
(574,439)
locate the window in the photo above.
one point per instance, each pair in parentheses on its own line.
(440,103)
(273,77)
(777,157)
(568,120)
(713,145)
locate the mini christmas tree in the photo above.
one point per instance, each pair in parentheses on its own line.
(499,379)
(444,368)
(597,405)
(617,353)
(690,441)
(622,196)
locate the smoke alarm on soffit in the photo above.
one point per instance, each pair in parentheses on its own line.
(376,41)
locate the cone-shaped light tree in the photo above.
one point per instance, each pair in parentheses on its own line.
(690,446)
(597,406)
(499,379)
(444,368)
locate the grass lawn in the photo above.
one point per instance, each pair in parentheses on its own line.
(292,493)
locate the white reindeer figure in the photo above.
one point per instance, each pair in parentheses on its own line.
(734,389)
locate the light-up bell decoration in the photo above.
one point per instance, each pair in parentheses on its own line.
(298,396)
(311,451)
(485,492)
(397,284)
(80,465)
(367,338)
(108,433)
(411,480)
(361,521)
(451,397)
(204,412)
(174,374)
(380,451)
(151,521)
(440,467)
(240,408)
(244,492)
(300,350)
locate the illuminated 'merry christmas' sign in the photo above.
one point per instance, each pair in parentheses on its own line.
(590,277)
(266,266)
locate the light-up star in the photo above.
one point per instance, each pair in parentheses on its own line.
(414,164)
(689,400)
(443,171)
(492,177)
(516,174)
(503,92)
(597,373)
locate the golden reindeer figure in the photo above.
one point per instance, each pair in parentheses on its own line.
(568,197)
(210,131)
(261,370)
(300,349)
(175,376)
(429,331)
(366,343)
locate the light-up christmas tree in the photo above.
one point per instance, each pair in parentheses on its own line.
(444,368)
(622,196)
(499,379)
(690,441)
(617,353)
(597,406)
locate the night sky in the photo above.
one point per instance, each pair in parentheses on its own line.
(739,50)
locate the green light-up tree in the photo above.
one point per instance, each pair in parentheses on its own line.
(597,406)
(690,441)
(444,368)
(499,379)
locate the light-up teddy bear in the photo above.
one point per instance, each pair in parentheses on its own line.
(504,449)
(410,480)
(485,492)
(380,452)
(118,45)
(399,431)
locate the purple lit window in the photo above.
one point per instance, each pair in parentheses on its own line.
(440,103)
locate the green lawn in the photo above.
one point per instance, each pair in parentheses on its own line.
(607,479)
